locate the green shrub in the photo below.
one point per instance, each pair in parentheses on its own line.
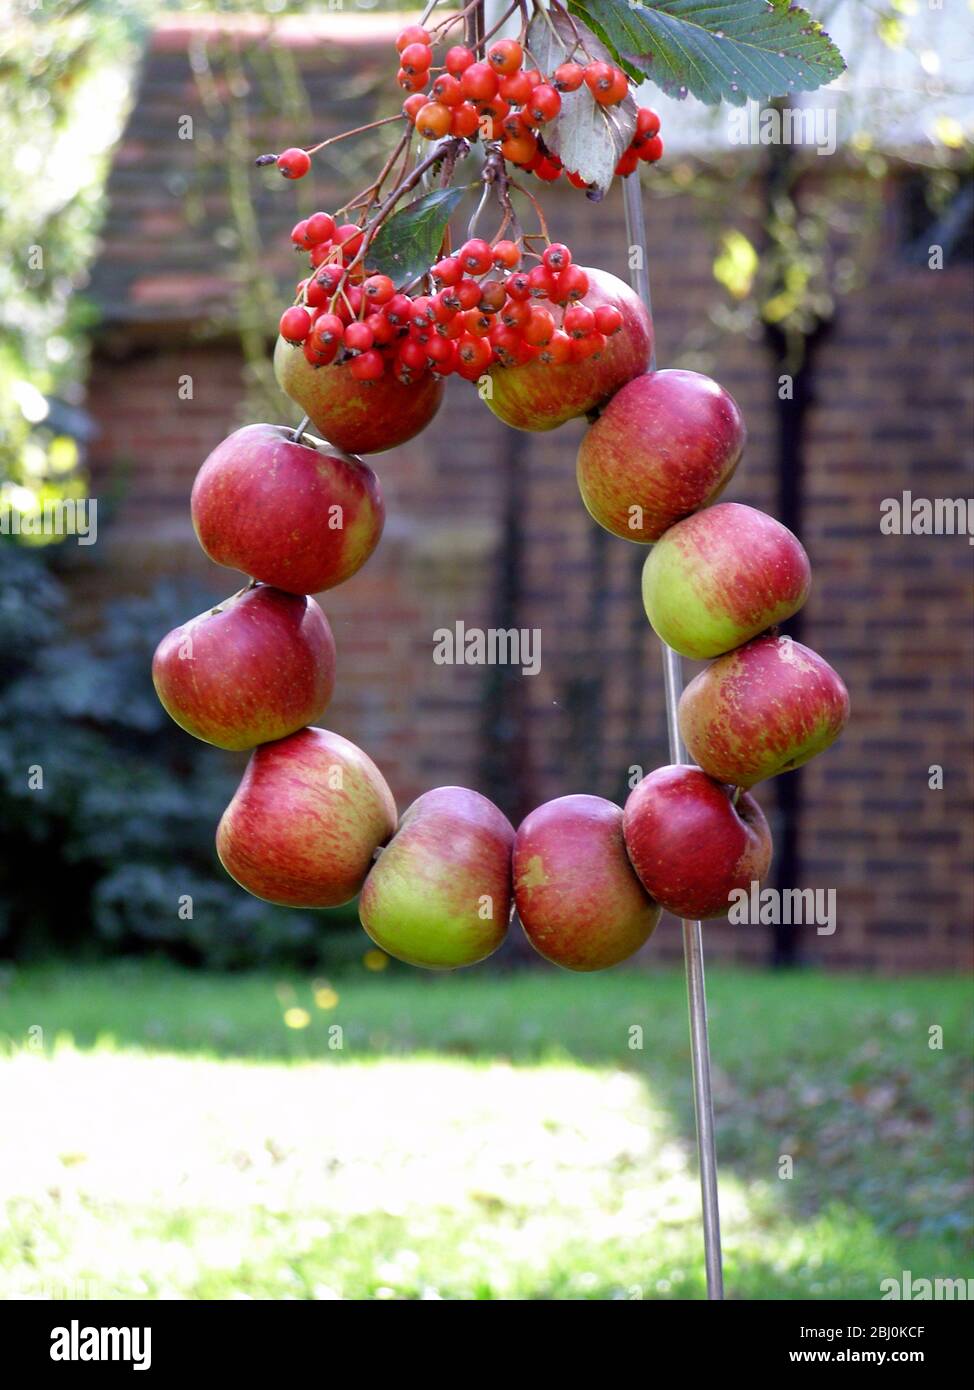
(114,849)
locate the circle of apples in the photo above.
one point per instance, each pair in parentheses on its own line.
(314,823)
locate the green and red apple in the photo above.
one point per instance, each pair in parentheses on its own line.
(305,822)
(541,396)
(764,709)
(287,512)
(255,668)
(361,417)
(693,843)
(577,895)
(722,576)
(439,895)
(664,446)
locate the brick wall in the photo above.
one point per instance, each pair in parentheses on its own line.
(485,525)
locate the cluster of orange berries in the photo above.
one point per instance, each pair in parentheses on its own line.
(485,309)
(646,143)
(502,100)
(497,96)
(505,101)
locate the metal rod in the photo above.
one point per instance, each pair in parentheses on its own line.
(703,1102)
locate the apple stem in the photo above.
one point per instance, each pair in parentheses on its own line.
(703,1101)
(300,429)
(737,795)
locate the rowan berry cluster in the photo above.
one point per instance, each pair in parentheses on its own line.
(480,306)
(497,96)
(487,307)
(502,99)
(646,143)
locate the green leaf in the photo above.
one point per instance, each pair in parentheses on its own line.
(729,51)
(407,244)
(588,138)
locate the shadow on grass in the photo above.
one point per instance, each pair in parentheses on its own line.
(832,1079)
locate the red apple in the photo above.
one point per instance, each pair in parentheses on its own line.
(361,417)
(764,709)
(306,820)
(439,895)
(255,668)
(291,514)
(720,577)
(579,901)
(690,844)
(665,445)
(540,396)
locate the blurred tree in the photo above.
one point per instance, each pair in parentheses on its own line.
(64,69)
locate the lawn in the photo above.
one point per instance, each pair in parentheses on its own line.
(387,1135)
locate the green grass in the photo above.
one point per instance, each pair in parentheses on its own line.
(172,1134)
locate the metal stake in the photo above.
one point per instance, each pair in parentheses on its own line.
(703,1102)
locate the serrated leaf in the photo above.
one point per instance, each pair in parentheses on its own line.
(407,244)
(587,138)
(731,51)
